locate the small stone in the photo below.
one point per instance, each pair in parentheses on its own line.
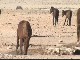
(9,47)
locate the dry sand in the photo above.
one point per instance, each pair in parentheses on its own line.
(37,13)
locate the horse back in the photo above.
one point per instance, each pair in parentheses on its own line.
(68,13)
(24,29)
(56,12)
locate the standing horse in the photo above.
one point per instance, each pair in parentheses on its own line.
(55,13)
(24,33)
(68,14)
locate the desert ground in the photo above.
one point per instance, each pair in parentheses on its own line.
(45,36)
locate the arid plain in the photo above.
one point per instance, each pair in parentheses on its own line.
(44,34)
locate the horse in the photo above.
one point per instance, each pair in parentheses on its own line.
(24,33)
(68,14)
(55,13)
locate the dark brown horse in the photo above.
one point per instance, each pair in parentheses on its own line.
(24,33)
(68,14)
(78,24)
(55,13)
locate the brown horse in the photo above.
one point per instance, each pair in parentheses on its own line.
(55,13)
(24,33)
(78,24)
(68,14)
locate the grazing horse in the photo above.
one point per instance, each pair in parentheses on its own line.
(24,33)
(78,24)
(55,13)
(68,14)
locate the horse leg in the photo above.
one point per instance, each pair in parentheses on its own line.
(67,21)
(70,22)
(21,44)
(77,36)
(57,20)
(17,44)
(64,21)
(78,33)
(53,20)
(26,45)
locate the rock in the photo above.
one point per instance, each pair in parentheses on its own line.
(19,7)
(7,56)
(9,47)
(61,51)
(52,51)
(61,41)
(66,51)
(57,50)
(77,48)
(77,52)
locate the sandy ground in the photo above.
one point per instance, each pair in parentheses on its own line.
(41,22)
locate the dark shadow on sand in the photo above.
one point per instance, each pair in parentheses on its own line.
(42,36)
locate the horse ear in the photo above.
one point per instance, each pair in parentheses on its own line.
(52,7)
